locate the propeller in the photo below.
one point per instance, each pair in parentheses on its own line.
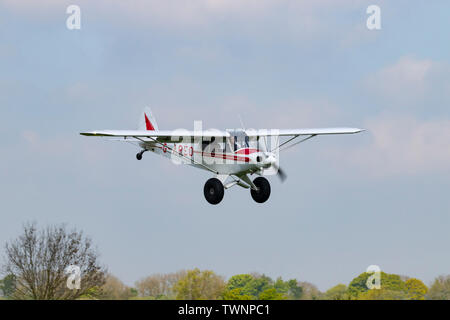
(280,173)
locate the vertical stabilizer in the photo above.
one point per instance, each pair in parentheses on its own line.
(147,120)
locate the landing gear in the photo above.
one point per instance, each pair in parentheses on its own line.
(213,191)
(139,155)
(263,192)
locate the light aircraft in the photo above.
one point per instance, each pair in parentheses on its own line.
(231,155)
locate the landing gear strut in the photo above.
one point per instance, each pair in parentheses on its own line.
(139,155)
(263,192)
(213,191)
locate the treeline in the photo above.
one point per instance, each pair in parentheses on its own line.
(198,285)
(56,263)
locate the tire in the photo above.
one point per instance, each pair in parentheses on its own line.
(213,191)
(139,156)
(263,192)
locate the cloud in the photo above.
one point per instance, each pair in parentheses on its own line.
(401,146)
(410,81)
(59,148)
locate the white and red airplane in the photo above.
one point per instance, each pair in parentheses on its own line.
(231,155)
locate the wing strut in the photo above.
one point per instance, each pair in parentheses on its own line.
(178,154)
(296,136)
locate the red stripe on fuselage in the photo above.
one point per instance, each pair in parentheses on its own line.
(224,156)
(215,155)
(247,151)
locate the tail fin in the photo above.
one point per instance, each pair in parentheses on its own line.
(147,120)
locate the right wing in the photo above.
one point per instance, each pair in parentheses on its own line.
(302,132)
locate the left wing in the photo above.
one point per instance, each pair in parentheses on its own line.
(160,136)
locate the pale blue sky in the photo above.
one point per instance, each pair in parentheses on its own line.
(349,201)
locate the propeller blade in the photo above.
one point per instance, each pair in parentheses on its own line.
(280,173)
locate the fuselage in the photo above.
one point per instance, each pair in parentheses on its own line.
(244,160)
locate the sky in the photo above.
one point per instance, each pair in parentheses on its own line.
(375,198)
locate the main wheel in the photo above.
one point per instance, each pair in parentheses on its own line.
(213,191)
(139,156)
(263,192)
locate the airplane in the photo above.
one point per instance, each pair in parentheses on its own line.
(231,155)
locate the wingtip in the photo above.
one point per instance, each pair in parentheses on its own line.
(88,134)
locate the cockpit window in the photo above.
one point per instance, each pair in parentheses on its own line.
(239,142)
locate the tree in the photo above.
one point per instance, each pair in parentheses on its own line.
(237,288)
(309,291)
(383,294)
(415,289)
(200,285)
(288,289)
(236,294)
(338,292)
(249,285)
(440,289)
(391,282)
(39,260)
(159,286)
(252,286)
(257,285)
(7,286)
(295,291)
(114,289)
(239,281)
(271,294)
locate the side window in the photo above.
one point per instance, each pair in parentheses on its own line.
(205,143)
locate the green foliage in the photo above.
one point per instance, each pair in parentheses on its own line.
(289,289)
(199,285)
(93,293)
(8,286)
(383,294)
(257,285)
(389,282)
(236,294)
(295,291)
(133,292)
(239,281)
(338,292)
(415,289)
(271,294)
(440,289)
(246,286)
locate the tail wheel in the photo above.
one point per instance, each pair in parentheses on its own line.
(139,155)
(263,192)
(213,191)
